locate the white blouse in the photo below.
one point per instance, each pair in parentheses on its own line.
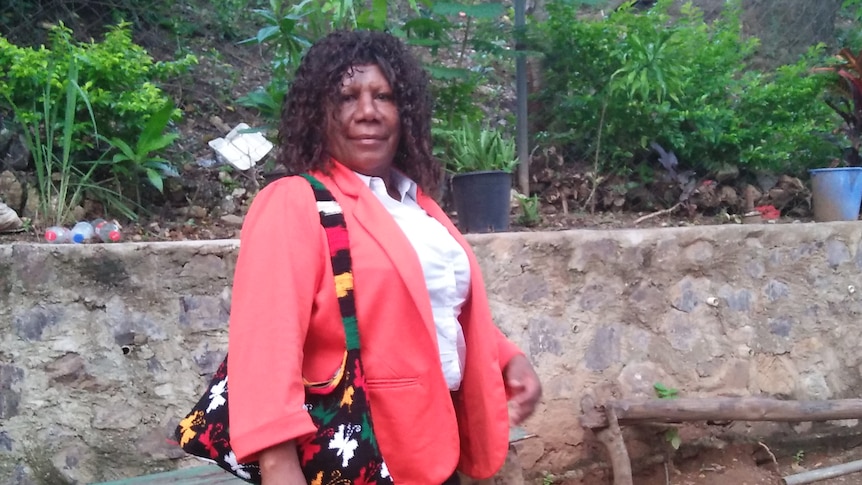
(444,264)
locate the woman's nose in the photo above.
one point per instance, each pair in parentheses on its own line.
(366,109)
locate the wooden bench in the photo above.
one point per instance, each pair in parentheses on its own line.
(212,474)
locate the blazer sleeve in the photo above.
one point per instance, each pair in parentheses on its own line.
(278,272)
(506,349)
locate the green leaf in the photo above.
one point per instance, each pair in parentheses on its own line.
(425,28)
(473,148)
(267,14)
(258,97)
(156,179)
(379,9)
(431,44)
(124,147)
(162,166)
(479,11)
(69,119)
(154,128)
(157,144)
(672,437)
(266,33)
(444,73)
(286,26)
(664,392)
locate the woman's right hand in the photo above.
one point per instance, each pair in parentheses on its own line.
(279,465)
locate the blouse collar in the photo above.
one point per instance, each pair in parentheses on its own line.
(403,184)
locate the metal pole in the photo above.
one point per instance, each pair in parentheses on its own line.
(521,138)
(823,473)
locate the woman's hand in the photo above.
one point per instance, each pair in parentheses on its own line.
(523,387)
(279,465)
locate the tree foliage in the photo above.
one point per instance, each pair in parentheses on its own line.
(632,78)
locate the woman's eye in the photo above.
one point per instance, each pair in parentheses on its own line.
(347,97)
(385,96)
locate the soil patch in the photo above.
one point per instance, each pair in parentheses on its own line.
(739,464)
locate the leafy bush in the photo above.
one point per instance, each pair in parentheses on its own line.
(632,78)
(117,75)
(288,31)
(468,44)
(473,148)
(844,96)
(437,30)
(782,122)
(116,79)
(132,160)
(847,32)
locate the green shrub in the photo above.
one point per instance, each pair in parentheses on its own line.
(473,148)
(118,77)
(782,122)
(115,77)
(472,39)
(134,160)
(633,77)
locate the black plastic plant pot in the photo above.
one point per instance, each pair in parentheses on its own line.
(482,200)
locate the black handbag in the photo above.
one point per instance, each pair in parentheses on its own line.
(344,449)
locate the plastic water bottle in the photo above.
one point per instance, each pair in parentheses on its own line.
(107,231)
(58,235)
(82,232)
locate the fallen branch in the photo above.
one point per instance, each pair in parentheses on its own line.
(631,411)
(658,213)
(612,438)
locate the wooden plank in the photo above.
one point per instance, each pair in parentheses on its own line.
(721,409)
(198,475)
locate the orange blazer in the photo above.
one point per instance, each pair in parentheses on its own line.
(285,325)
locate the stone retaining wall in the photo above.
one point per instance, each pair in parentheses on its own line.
(103,347)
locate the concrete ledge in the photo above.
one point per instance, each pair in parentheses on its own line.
(103,347)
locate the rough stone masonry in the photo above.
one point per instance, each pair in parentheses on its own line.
(104,347)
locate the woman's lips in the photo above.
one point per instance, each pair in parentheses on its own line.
(368,141)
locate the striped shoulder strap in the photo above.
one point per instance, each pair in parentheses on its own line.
(332,220)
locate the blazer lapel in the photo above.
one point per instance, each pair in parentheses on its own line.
(382,228)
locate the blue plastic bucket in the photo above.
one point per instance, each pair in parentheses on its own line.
(836,193)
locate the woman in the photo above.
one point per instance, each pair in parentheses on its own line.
(437,370)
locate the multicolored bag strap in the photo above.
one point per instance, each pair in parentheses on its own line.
(332,220)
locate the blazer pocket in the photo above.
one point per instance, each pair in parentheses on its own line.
(392,383)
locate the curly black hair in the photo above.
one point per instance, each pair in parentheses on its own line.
(317,85)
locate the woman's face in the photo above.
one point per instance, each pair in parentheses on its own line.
(363,127)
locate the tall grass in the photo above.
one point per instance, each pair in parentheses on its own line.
(61,180)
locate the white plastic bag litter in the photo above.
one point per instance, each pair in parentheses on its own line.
(242,150)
